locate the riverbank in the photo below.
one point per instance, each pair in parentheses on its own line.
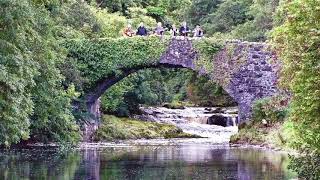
(269,136)
(114,128)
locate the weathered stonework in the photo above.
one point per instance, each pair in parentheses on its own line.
(243,69)
(247,73)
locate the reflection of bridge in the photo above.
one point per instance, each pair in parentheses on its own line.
(247,71)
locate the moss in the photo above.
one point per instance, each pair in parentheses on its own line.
(257,134)
(207,48)
(114,128)
(100,58)
(178,104)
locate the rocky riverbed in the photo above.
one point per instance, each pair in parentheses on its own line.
(216,124)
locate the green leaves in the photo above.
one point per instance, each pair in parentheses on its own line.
(32,100)
(96,59)
(297,43)
(207,48)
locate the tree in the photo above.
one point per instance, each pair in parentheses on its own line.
(257,29)
(297,43)
(200,9)
(31,95)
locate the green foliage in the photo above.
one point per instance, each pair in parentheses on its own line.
(249,135)
(157,12)
(207,48)
(272,109)
(117,5)
(110,25)
(307,166)
(154,87)
(100,58)
(257,29)
(113,128)
(17,70)
(161,10)
(249,20)
(75,20)
(138,15)
(148,87)
(199,10)
(273,132)
(271,136)
(31,96)
(297,44)
(229,14)
(204,92)
(113,100)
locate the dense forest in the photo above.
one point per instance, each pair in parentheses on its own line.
(39,81)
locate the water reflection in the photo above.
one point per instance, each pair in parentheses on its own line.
(146,162)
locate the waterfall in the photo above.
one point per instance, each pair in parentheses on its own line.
(201,121)
(234,121)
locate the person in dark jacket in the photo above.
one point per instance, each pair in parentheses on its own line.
(184,29)
(142,31)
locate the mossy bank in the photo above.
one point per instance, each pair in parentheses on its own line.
(115,128)
(268,126)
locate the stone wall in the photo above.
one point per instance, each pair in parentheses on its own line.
(247,71)
(252,72)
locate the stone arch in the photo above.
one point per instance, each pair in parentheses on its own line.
(248,71)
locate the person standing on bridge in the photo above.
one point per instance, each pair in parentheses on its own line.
(128,32)
(198,32)
(159,29)
(142,31)
(174,31)
(184,29)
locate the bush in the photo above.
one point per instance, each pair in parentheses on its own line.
(307,166)
(297,44)
(272,109)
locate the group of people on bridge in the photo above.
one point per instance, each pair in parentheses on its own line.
(184,31)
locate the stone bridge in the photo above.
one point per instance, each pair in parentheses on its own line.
(247,71)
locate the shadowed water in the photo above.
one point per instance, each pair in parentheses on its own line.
(146,163)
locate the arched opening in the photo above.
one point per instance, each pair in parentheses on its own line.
(175,96)
(172,88)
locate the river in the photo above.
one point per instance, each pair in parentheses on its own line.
(207,158)
(179,162)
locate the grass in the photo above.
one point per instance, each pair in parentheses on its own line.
(178,105)
(257,134)
(115,128)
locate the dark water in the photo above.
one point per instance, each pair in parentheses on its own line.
(146,162)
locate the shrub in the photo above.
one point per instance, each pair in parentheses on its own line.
(272,109)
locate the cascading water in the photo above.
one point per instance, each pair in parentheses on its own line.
(217,124)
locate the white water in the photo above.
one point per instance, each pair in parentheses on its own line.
(193,120)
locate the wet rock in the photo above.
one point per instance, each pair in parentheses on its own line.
(218,120)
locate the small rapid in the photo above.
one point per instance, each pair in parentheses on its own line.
(216,124)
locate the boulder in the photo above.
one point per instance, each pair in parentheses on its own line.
(218,120)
